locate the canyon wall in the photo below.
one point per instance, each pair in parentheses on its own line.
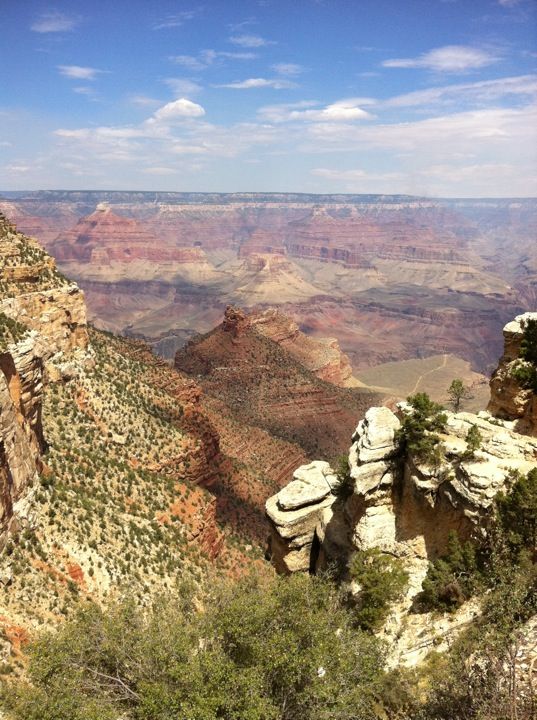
(42,324)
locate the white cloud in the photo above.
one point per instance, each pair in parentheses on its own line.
(208,57)
(342,110)
(508,3)
(52,22)
(450,58)
(252,83)
(76,72)
(250,41)
(159,171)
(188,61)
(289,69)
(178,110)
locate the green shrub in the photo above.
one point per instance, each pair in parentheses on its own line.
(281,649)
(345,486)
(452,578)
(419,429)
(382,581)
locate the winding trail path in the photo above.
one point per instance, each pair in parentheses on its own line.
(432,370)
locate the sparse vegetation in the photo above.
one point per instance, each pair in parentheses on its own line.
(525,370)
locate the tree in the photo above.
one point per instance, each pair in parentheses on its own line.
(528,346)
(457,392)
(382,581)
(474,440)
(419,428)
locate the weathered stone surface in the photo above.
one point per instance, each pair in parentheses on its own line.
(508,399)
(375,435)
(295,512)
(54,312)
(311,483)
(292,523)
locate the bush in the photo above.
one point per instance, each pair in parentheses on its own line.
(452,578)
(419,429)
(474,440)
(345,486)
(382,581)
(283,649)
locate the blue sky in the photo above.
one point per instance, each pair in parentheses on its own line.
(432,97)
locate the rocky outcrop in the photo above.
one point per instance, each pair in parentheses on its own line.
(399,504)
(509,399)
(43,319)
(323,356)
(295,512)
(21,438)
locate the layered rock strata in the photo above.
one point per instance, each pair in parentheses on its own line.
(43,320)
(509,399)
(295,512)
(397,503)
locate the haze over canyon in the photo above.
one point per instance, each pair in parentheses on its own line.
(414,290)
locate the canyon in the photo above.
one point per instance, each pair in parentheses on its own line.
(391,278)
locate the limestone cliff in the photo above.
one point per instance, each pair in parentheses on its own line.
(42,321)
(509,399)
(405,507)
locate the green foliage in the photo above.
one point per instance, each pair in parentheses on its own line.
(517,514)
(282,649)
(382,581)
(528,346)
(526,372)
(467,568)
(419,429)
(452,578)
(474,440)
(11,331)
(457,392)
(345,486)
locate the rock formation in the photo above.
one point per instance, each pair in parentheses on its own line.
(42,321)
(269,375)
(400,504)
(509,399)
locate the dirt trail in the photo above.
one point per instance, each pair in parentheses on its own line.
(432,370)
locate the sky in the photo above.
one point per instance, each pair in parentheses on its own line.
(423,97)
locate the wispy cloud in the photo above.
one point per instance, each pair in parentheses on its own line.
(188,61)
(182,86)
(477,92)
(288,69)
(77,72)
(252,83)
(508,3)
(206,58)
(54,22)
(449,59)
(250,41)
(88,92)
(341,111)
(144,101)
(175,20)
